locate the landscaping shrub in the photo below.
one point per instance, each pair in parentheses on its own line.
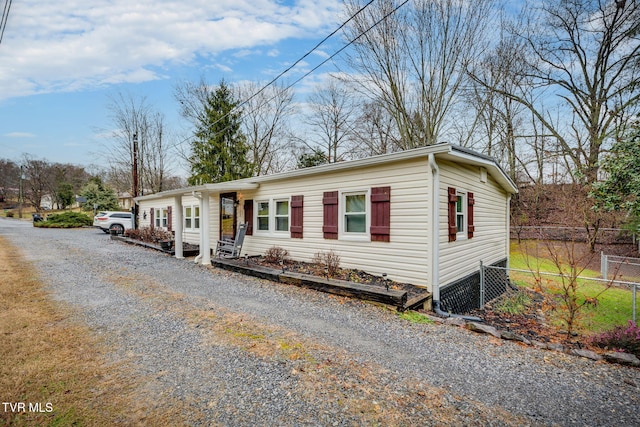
(276,254)
(65,220)
(625,338)
(330,260)
(513,303)
(10,214)
(148,234)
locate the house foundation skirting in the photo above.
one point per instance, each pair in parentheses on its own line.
(463,295)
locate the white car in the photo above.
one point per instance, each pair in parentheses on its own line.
(118,221)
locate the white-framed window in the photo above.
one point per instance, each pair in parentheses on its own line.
(196,217)
(188,219)
(262,215)
(354,215)
(461,214)
(161,217)
(192,217)
(281,215)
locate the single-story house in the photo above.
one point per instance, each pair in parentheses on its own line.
(426,216)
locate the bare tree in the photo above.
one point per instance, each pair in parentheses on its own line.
(330,117)
(413,59)
(585,55)
(139,134)
(9,180)
(37,176)
(374,131)
(265,124)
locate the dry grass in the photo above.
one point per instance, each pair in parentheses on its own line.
(54,364)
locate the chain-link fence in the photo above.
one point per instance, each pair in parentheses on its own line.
(618,297)
(607,236)
(620,267)
(494,281)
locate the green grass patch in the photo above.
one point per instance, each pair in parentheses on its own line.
(513,303)
(414,317)
(607,306)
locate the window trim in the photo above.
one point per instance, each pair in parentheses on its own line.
(343,234)
(462,215)
(187,214)
(256,229)
(161,217)
(275,215)
(193,217)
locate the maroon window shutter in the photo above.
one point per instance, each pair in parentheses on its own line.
(248,217)
(297,218)
(169,217)
(380,214)
(470,227)
(452,200)
(152,213)
(330,214)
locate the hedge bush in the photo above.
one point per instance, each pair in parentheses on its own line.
(65,220)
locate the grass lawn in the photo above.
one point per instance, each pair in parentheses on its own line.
(608,306)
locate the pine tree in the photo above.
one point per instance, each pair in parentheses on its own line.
(219,149)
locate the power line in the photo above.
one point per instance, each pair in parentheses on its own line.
(5,17)
(304,56)
(285,71)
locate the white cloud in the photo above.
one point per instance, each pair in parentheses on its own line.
(68,45)
(19,135)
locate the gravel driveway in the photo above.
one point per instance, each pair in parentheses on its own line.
(218,348)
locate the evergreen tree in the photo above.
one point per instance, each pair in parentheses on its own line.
(65,195)
(98,194)
(307,160)
(219,149)
(621,190)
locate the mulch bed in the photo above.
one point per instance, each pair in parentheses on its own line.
(346,274)
(532,324)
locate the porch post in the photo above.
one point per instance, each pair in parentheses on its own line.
(178,226)
(205,246)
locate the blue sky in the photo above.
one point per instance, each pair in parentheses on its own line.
(61,60)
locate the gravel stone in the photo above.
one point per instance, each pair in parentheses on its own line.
(290,356)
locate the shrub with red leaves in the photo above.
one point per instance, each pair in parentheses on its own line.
(624,338)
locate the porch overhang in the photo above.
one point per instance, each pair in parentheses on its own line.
(220,187)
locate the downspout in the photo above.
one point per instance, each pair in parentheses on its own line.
(435,252)
(508,215)
(435,238)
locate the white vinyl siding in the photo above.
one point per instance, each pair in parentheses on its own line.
(189,236)
(404,258)
(490,239)
(407,256)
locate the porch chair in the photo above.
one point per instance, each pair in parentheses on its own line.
(228,248)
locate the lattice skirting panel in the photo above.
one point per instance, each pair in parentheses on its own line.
(463,296)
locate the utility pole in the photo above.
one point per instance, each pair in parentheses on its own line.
(135,165)
(20,195)
(134,211)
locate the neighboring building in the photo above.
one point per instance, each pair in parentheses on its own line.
(426,216)
(125,201)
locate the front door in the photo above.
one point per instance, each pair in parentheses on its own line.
(228,203)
